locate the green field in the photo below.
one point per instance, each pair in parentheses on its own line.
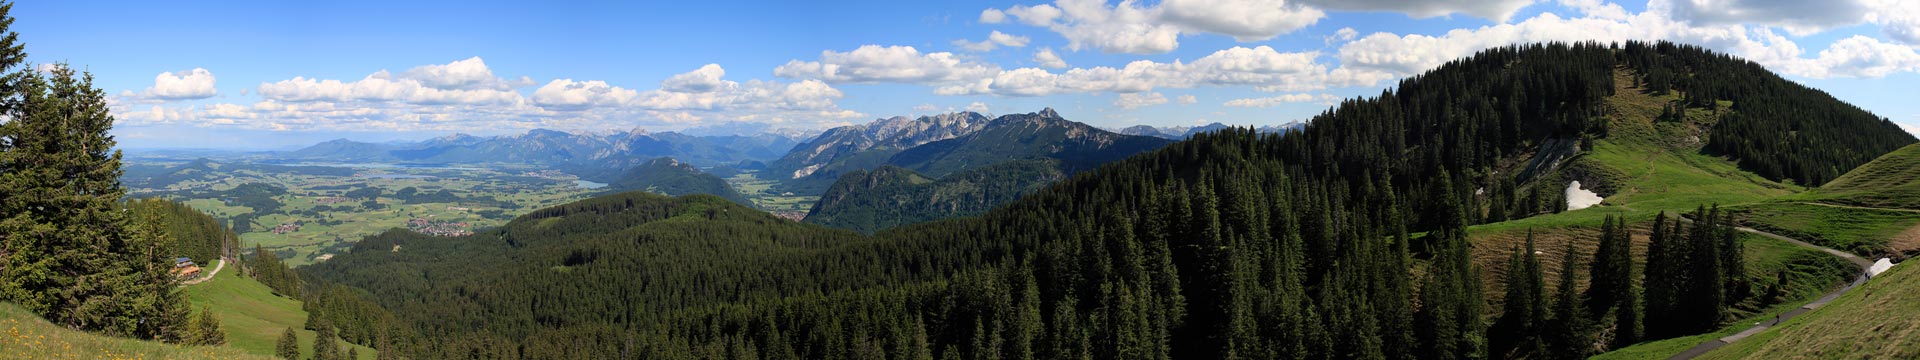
(331,228)
(252,316)
(1890,181)
(761,192)
(26,336)
(1870,233)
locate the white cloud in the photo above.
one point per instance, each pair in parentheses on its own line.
(994,40)
(1496,10)
(450,98)
(1046,58)
(1037,15)
(1898,19)
(1409,54)
(1244,20)
(1797,16)
(380,86)
(975,46)
(925,108)
(1187,99)
(1260,67)
(1130,101)
(189,84)
(1007,40)
(875,64)
(568,94)
(1283,99)
(1862,57)
(992,16)
(704,79)
(1130,27)
(469,74)
(978,107)
(1343,35)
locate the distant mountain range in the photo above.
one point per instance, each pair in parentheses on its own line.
(592,156)
(1183,132)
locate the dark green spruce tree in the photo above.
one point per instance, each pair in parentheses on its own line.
(1449,317)
(1517,333)
(1569,333)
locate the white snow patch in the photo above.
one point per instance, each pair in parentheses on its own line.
(1879,267)
(1578,198)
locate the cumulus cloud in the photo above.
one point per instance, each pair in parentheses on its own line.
(705,79)
(994,40)
(1130,27)
(1282,99)
(1187,100)
(1797,16)
(1408,54)
(1244,20)
(184,85)
(463,95)
(1132,101)
(568,94)
(1046,58)
(875,64)
(978,107)
(992,16)
(469,74)
(1898,19)
(379,87)
(1260,67)
(1496,10)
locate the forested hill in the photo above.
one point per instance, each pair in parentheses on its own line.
(672,177)
(868,201)
(1233,244)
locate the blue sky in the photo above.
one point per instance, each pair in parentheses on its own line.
(271,75)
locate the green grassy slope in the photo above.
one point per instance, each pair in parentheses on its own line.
(252,316)
(1875,321)
(26,336)
(1891,181)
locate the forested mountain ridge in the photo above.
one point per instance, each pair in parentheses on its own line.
(671,177)
(1041,135)
(1231,244)
(868,201)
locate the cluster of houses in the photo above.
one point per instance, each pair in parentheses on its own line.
(550,174)
(286,228)
(438,228)
(184,268)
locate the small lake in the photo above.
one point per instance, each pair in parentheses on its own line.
(588,184)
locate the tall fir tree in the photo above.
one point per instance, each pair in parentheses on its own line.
(1517,333)
(289,345)
(1449,317)
(1570,334)
(70,254)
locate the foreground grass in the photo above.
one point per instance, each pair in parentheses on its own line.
(1876,321)
(24,335)
(252,316)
